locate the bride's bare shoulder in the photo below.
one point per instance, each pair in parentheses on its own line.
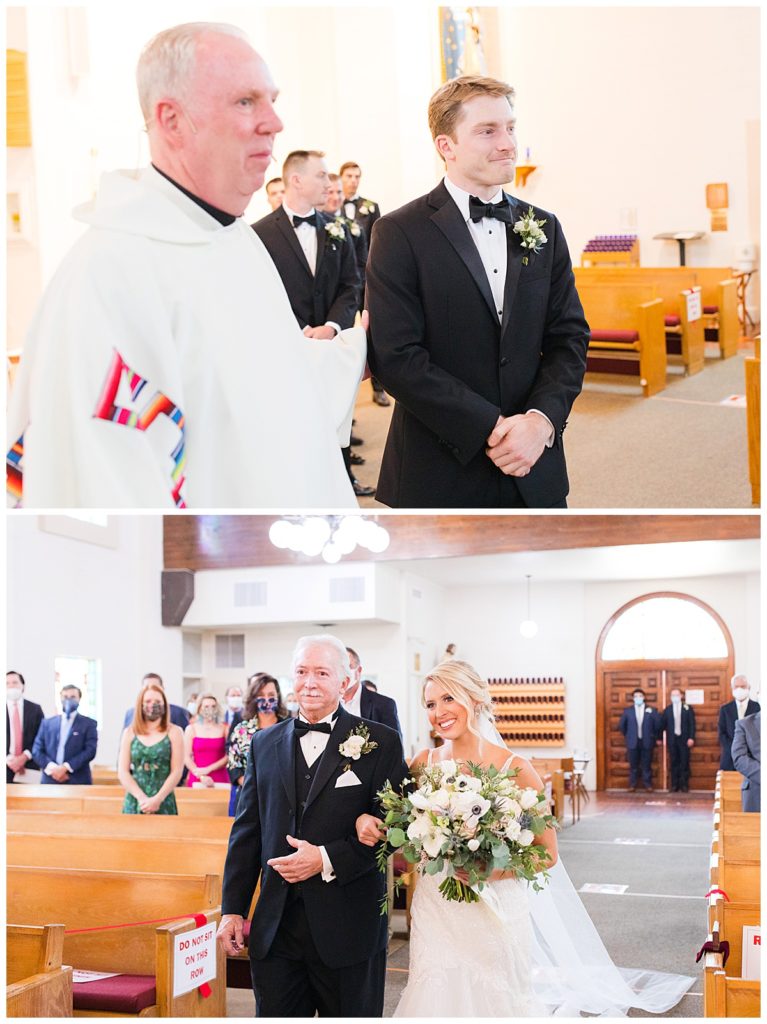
(420,759)
(495,755)
(527,776)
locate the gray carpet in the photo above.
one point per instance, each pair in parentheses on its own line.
(679,449)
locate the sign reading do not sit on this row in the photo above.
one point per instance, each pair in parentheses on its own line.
(194,959)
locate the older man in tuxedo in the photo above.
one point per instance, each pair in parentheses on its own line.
(317,940)
(476,328)
(734,711)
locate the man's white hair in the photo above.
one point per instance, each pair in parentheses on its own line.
(739,677)
(330,641)
(166,64)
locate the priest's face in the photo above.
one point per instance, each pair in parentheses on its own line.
(483,153)
(227,148)
(318,680)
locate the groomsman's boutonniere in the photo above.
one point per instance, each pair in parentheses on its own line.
(335,232)
(366,208)
(357,743)
(529,231)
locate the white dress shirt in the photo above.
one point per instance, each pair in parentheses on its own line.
(741,705)
(489,236)
(312,747)
(677,719)
(307,239)
(640,718)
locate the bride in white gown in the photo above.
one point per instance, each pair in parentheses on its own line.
(515,953)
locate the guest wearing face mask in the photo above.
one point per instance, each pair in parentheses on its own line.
(639,725)
(179,716)
(191,707)
(730,713)
(22,720)
(151,756)
(263,708)
(205,744)
(292,705)
(233,698)
(678,723)
(66,744)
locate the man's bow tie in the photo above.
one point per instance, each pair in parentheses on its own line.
(311,220)
(302,727)
(478,210)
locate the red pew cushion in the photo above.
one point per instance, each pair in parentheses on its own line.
(672,320)
(711,309)
(621,336)
(126,993)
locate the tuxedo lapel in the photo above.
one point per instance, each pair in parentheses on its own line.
(331,756)
(289,234)
(514,256)
(321,238)
(286,761)
(452,225)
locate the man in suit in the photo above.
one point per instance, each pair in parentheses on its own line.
(275,190)
(639,725)
(747,758)
(678,722)
(233,700)
(359,700)
(314,256)
(364,213)
(22,720)
(475,325)
(66,744)
(733,711)
(317,939)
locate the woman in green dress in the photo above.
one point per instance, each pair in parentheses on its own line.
(151,756)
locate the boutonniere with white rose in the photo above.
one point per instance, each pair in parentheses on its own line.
(357,743)
(335,232)
(366,208)
(531,236)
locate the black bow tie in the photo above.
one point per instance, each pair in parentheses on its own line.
(302,727)
(478,210)
(311,220)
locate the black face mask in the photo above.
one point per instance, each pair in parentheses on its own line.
(267,704)
(154,712)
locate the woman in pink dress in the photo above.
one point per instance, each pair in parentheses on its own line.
(205,744)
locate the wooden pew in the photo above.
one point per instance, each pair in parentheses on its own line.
(108,805)
(720,289)
(752,368)
(558,767)
(183,794)
(103,775)
(37,983)
(668,283)
(146,826)
(632,317)
(84,899)
(726,996)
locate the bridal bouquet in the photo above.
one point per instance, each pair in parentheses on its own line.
(478,822)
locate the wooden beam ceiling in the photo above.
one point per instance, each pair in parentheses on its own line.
(230,542)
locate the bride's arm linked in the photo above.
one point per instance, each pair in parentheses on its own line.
(370,830)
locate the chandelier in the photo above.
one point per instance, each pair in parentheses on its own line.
(329,536)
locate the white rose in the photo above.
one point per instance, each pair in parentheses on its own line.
(473,844)
(528,799)
(419,800)
(525,837)
(420,827)
(513,830)
(448,768)
(439,799)
(432,843)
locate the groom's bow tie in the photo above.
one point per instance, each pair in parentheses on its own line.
(311,220)
(478,210)
(302,727)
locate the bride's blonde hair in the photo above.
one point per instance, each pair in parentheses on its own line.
(466,686)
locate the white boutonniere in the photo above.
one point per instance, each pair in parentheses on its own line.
(357,743)
(335,231)
(366,208)
(529,231)
(354,227)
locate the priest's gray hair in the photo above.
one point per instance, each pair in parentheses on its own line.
(166,64)
(329,641)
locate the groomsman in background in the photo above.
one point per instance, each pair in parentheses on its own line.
(275,190)
(730,713)
(66,744)
(233,700)
(639,725)
(314,256)
(364,212)
(678,723)
(22,720)
(359,700)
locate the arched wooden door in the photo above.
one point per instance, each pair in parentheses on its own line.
(704,682)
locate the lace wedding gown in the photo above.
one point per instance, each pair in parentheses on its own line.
(518,953)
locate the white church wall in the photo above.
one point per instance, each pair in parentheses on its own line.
(76,599)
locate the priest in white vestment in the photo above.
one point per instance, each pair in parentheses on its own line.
(164,366)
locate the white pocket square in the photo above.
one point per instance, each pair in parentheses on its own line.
(348,779)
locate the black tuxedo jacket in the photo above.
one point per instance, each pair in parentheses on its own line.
(365,220)
(375,707)
(343,915)
(728,716)
(687,724)
(33,718)
(333,292)
(437,346)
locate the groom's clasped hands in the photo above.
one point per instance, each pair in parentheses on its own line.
(517,442)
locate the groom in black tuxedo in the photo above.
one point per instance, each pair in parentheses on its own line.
(317,940)
(481,340)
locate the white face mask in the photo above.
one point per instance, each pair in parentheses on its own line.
(235,703)
(676,700)
(740,693)
(13,693)
(191,707)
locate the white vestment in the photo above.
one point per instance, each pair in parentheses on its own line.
(165,367)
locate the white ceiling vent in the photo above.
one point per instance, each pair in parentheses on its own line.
(252,594)
(347,588)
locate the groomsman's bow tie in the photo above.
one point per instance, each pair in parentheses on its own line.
(311,220)
(478,210)
(302,727)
